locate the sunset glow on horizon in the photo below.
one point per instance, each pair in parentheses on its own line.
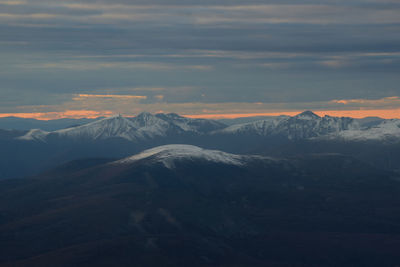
(71,114)
(358,114)
(90,114)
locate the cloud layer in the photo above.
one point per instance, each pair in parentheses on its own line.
(163,55)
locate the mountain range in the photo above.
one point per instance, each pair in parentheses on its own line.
(147,126)
(143,127)
(373,140)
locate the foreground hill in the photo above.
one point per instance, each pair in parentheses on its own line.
(180,205)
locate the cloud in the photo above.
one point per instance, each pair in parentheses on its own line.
(27,16)
(393,101)
(226,51)
(131,89)
(13,2)
(334,63)
(215,14)
(93,105)
(80,97)
(74,114)
(87,65)
(159,97)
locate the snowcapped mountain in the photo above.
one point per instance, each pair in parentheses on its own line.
(143,127)
(116,126)
(169,154)
(303,126)
(191,125)
(386,130)
(262,127)
(149,127)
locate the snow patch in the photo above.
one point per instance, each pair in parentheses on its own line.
(34,135)
(388,129)
(168,154)
(303,126)
(116,126)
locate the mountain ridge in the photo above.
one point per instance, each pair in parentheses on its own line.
(147,126)
(142,127)
(302,126)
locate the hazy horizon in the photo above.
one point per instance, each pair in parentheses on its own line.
(350,114)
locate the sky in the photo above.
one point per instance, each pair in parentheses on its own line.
(204,58)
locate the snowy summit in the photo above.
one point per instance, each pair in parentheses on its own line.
(169,154)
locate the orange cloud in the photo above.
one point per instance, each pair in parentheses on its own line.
(76,114)
(382,101)
(159,97)
(73,114)
(382,113)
